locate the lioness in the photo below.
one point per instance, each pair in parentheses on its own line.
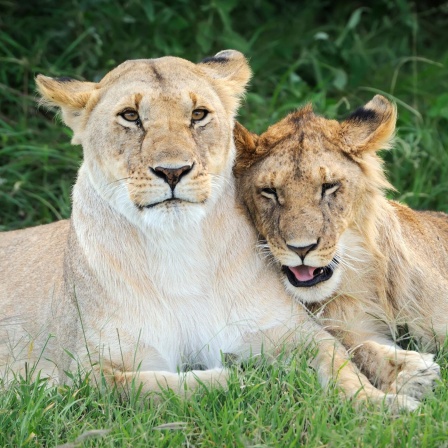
(156,272)
(363,264)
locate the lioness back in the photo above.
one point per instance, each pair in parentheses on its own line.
(21,255)
(31,267)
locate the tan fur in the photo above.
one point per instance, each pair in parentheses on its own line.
(137,285)
(389,263)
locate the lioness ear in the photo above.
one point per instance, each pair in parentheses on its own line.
(371,127)
(231,73)
(246,148)
(72,97)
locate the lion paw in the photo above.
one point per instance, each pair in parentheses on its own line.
(400,402)
(418,375)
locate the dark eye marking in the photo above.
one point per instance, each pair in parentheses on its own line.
(330,188)
(269,193)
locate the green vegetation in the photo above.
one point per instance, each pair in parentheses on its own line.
(266,406)
(335,54)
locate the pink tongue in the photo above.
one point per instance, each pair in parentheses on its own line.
(303,273)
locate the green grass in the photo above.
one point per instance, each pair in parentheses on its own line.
(335,54)
(268,405)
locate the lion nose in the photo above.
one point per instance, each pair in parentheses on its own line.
(171,176)
(303,251)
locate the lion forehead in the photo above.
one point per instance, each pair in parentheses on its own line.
(293,165)
(161,69)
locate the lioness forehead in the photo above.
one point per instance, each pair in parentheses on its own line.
(168,82)
(163,74)
(165,70)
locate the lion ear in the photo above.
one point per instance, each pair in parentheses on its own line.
(246,144)
(71,96)
(231,72)
(371,127)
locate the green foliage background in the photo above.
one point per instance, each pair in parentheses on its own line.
(337,54)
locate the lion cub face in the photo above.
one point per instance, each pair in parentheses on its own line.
(157,133)
(306,183)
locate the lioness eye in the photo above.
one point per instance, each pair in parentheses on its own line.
(330,188)
(130,115)
(199,114)
(270,193)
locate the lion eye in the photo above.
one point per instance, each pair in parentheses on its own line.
(130,115)
(199,114)
(270,193)
(330,188)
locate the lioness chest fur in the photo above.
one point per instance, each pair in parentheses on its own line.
(157,271)
(364,265)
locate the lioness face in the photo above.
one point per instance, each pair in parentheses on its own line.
(303,182)
(157,134)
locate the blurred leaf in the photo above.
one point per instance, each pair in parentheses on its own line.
(352,23)
(355,18)
(440,107)
(340,79)
(148,7)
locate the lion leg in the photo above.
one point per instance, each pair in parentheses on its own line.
(332,363)
(397,371)
(147,371)
(183,383)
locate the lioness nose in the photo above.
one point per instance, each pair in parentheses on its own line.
(304,250)
(171,176)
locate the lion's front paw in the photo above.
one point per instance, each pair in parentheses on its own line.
(216,377)
(417,375)
(400,402)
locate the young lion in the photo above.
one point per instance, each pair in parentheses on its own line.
(314,189)
(156,272)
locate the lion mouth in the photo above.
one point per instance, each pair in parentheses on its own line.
(170,201)
(305,276)
(173,201)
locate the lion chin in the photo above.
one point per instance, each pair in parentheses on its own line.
(171,214)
